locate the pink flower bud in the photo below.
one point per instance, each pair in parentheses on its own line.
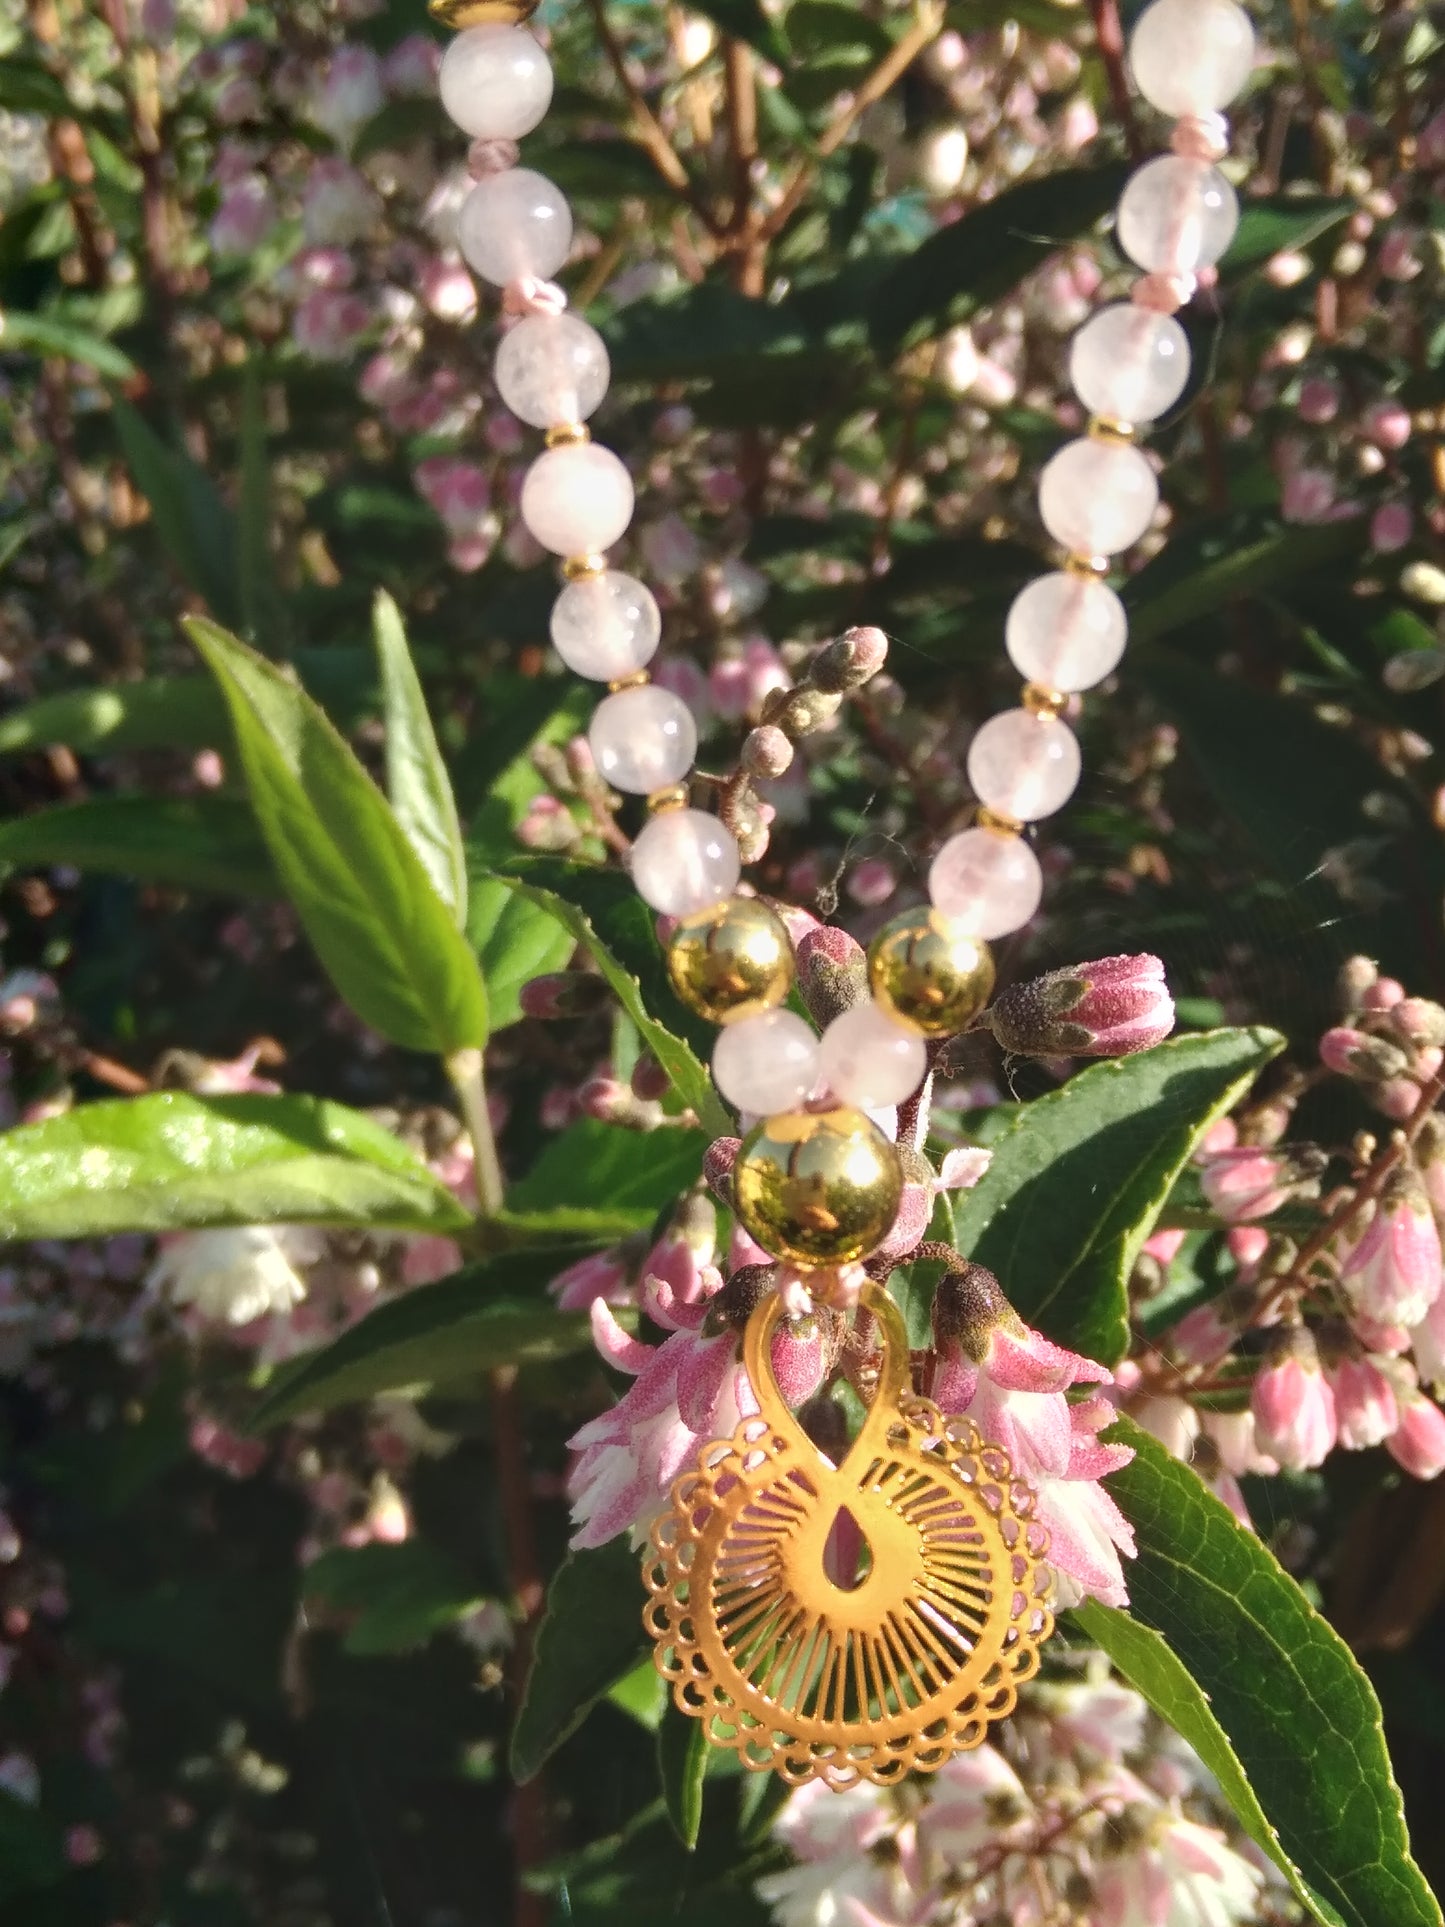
(1419,1021)
(563,993)
(1319,400)
(329,323)
(1245,1183)
(872,883)
(1383,994)
(1293,1406)
(410,69)
(1418,1442)
(1387,424)
(1365,1403)
(1308,495)
(1392,1273)
(855,658)
(1354,1053)
(338,205)
(350,94)
(717,1167)
(1392,526)
(832,973)
(246,215)
(1104,1009)
(650,1081)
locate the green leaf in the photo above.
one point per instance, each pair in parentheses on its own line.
(486,1315)
(516,940)
(383,934)
(40,334)
(416,777)
(633,1174)
(496,777)
(1299,1715)
(1079,1178)
(1146,1661)
(1279,224)
(972,263)
(172,1160)
(1225,559)
(604,912)
(192,843)
(262,611)
(745,20)
(590,1635)
(32,1848)
(195,527)
(682,1762)
(400,1594)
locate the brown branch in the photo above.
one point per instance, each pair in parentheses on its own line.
(1109,37)
(648,128)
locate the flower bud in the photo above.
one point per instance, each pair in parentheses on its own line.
(563,993)
(1293,1406)
(849,662)
(1357,975)
(1365,1403)
(1420,1022)
(740,1297)
(832,973)
(968,1307)
(1103,1009)
(717,1167)
(1417,1444)
(1392,1274)
(1354,1053)
(650,1081)
(767,753)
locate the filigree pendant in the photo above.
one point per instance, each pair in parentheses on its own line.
(887,1673)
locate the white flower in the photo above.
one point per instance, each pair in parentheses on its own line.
(236,1276)
(1181,1875)
(831,1834)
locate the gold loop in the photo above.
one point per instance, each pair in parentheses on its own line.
(1085,565)
(1040,701)
(459,14)
(578,568)
(996,821)
(637,680)
(1106,428)
(567,434)
(674,797)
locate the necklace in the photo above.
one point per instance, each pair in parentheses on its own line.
(794,1665)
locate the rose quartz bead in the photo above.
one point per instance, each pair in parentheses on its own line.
(1191,56)
(513,225)
(767,1063)
(870,1060)
(606,627)
(1177,216)
(989,883)
(1023,765)
(685,860)
(1097,497)
(1066,632)
(1129,364)
(495,82)
(551,369)
(577,499)
(643,739)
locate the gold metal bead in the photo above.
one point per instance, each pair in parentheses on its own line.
(1105,428)
(818,1188)
(1086,565)
(1040,701)
(996,821)
(637,680)
(577,567)
(481,13)
(930,974)
(567,434)
(672,798)
(732,960)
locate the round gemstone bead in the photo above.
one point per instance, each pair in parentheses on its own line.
(1129,364)
(577,499)
(766,1063)
(1066,632)
(1177,216)
(1097,497)
(988,882)
(606,627)
(495,82)
(643,739)
(1023,765)
(552,369)
(870,1060)
(1191,56)
(515,224)
(684,861)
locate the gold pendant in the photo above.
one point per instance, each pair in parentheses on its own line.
(816,1679)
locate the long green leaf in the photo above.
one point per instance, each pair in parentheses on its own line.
(1079,1178)
(416,777)
(193,523)
(682,1762)
(173,1160)
(1298,1714)
(1277,224)
(1224,560)
(40,334)
(198,843)
(516,940)
(591,1163)
(589,1638)
(603,912)
(379,927)
(395,1596)
(488,1314)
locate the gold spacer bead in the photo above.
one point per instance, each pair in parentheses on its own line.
(1086,565)
(1039,701)
(996,821)
(930,974)
(481,13)
(672,798)
(818,1188)
(731,961)
(1104,428)
(567,434)
(577,568)
(636,680)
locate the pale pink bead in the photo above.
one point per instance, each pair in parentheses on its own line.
(1097,497)
(989,883)
(869,1060)
(766,1063)
(1128,364)
(495,82)
(1066,632)
(1191,56)
(643,739)
(685,860)
(1024,766)
(1177,216)
(606,627)
(515,226)
(552,369)
(577,499)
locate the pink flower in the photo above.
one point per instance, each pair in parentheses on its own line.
(605,1274)
(1365,1403)
(1104,1009)
(1244,1182)
(460,492)
(1391,527)
(1087,1531)
(1180,1874)
(1418,1442)
(410,69)
(1293,1406)
(1173,1421)
(740,682)
(246,215)
(1308,496)
(1164,1246)
(1393,1272)
(329,323)
(873,882)
(448,291)
(338,205)
(350,94)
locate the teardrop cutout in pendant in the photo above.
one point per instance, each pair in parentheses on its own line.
(810,1675)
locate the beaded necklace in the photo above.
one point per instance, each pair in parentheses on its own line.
(787,1666)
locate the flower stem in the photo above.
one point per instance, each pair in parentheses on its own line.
(464,1068)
